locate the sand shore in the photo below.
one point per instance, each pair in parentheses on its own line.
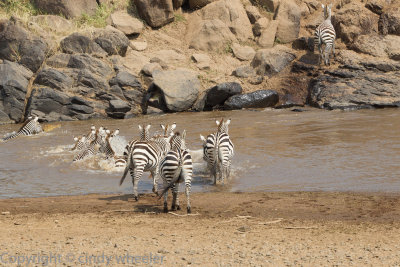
(227,229)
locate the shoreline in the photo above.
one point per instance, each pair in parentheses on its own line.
(230,229)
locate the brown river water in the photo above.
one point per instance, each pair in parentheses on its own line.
(275,150)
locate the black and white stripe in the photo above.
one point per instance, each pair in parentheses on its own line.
(83,141)
(218,151)
(146,156)
(30,127)
(98,144)
(325,35)
(175,168)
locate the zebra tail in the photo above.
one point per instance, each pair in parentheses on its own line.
(168,187)
(127,166)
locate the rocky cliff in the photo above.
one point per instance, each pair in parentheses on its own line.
(147,56)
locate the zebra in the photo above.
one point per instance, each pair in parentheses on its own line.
(30,127)
(146,156)
(175,168)
(325,34)
(144,136)
(83,141)
(218,151)
(94,146)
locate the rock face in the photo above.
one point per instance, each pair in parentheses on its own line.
(54,23)
(14,80)
(232,14)
(126,23)
(217,95)
(243,52)
(269,5)
(212,35)
(267,37)
(288,17)
(252,13)
(68,8)
(18,45)
(257,99)
(359,82)
(389,22)
(272,61)
(156,13)
(179,88)
(193,4)
(78,43)
(353,20)
(113,41)
(379,46)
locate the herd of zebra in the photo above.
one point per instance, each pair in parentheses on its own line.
(164,155)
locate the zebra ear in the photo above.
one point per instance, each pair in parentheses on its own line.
(93,127)
(203,138)
(162,127)
(217,122)
(83,138)
(148,127)
(173,126)
(184,134)
(140,127)
(323,6)
(108,131)
(330,5)
(75,139)
(228,121)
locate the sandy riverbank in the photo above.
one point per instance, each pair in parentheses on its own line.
(230,229)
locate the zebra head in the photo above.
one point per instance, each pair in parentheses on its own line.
(168,129)
(223,125)
(327,11)
(144,132)
(178,141)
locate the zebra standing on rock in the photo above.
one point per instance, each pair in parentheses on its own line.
(218,151)
(325,34)
(146,156)
(30,127)
(175,168)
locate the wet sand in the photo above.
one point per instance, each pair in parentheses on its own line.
(226,229)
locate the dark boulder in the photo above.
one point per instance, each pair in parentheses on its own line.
(257,99)
(113,42)
(217,95)
(19,45)
(126,79)
(78,43)
(94,65)
(47,100)
(54,79)
(156,13)
(118,109)
(14,80)
(354,88)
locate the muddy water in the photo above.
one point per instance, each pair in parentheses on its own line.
(276,150)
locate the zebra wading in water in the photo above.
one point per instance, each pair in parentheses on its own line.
(30,127)
(83,141)
(218,151)
(96,145)
(325,34)
(175,168)
(146,156)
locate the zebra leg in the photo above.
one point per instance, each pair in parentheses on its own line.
(155,175)
(175,198)
(327,54)
(333,49)
(136,175)
(187,192)
(165,197)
